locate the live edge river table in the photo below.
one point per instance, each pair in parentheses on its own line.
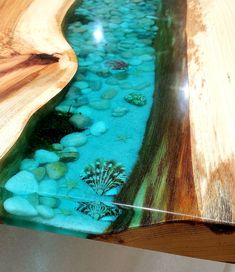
(180,195)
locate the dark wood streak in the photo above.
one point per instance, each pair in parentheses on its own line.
(33,59)
(165,161)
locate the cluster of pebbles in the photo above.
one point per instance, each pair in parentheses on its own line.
(113,41)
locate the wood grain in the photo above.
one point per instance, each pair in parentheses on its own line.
(211,70)
(188,238)
(35,62)
(183,182)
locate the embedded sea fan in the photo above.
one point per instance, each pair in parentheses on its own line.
(104,175)
(97,210)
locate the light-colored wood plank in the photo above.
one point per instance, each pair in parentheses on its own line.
(36,62)
(211,69)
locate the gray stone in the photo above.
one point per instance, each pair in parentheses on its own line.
(100,104)
(109,94)
(28,164)
(141,86)
(95,85)
(98,128)
(22,183)
(81,101)
(43,156)
(56,170)
(69,154)
(19,206)
(80,121)
(81,84)
(74,139)
(57,147)
(45,212)
(39,173)
(119,112)
(48,201)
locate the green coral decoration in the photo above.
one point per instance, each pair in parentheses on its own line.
(98,210)
(136,99)
(104,175)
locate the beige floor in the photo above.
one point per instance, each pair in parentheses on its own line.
(29,251)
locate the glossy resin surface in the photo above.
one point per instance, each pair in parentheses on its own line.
(117,150)
(83,152)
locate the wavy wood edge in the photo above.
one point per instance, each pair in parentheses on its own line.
(36,62)
(211,91)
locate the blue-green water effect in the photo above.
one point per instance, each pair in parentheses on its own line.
(109,101)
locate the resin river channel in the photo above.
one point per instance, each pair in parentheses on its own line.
(84,151)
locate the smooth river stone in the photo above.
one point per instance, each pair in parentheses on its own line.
(22,183)
(28,164)
(119,112)
(48,187)
(43,156)
(80,121)
(98,128)
(81,84)
(57,147)
(95,85)
(112,81)
(45,212)
(39,173)
(73,92)
(141,86)
(48,201)
(109,94)
(19,206)
(121,75)
(86,91)
(85,110)
(100,104)
(80,101)
(69,154)
(74,139)
(56,170)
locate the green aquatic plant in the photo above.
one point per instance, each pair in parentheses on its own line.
(104,175)
(49,130)
(98,210)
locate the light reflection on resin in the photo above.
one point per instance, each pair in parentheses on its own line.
(71,183)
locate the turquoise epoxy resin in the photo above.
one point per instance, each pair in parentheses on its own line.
(68,181)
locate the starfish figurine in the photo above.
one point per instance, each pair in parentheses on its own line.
(123,138)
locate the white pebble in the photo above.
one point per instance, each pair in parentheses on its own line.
(98,128)
(19,206)
(22,183)
(45,212)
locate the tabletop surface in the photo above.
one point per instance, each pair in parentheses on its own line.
(142,134)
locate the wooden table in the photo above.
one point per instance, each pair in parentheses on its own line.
(183,183)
